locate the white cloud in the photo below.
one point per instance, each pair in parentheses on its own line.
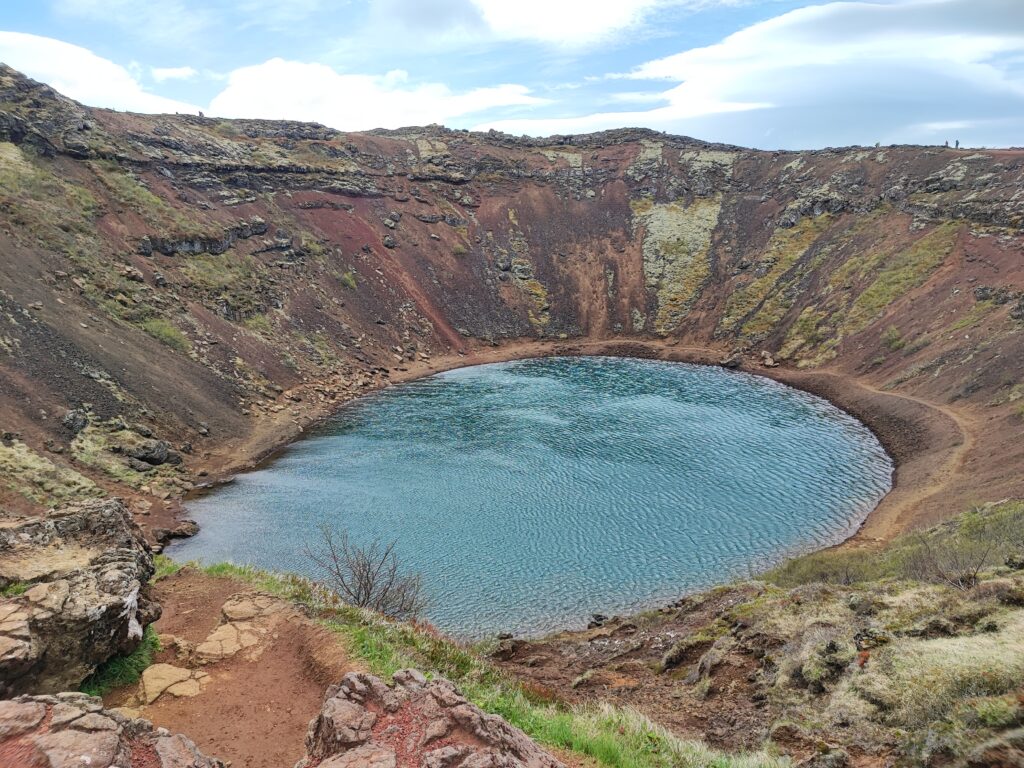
(81,74)
(841,72)
(161,74)
(279,89)
(568,22)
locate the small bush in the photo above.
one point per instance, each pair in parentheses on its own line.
(369,577)
(953,554)
(459,250)
(892,339)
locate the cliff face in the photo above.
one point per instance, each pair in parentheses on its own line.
(168,277)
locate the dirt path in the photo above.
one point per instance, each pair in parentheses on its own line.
(249,705)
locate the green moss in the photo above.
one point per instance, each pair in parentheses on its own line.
(749,306)
(259,324)
(163,331)
(348,279)
(40,480)
(123,670)
(809,335)
(900,274)
(128,191)
(974,315)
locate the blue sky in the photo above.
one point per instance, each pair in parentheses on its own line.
(763,73)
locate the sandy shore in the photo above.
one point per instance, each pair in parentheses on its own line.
(926,441)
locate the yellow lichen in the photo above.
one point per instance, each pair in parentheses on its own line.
(39,479)
(676,241)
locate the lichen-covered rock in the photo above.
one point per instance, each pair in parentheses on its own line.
(72,730)
(365,723)
(83,573)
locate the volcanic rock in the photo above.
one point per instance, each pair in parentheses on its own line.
(84,569)
(367,723)
(73,729)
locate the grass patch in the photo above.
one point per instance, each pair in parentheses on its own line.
(163,331)
(920,682)
(892,339)
(123,670)
(15,588)
(986,534)
(165,567)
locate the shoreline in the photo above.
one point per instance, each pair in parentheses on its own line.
(924,441)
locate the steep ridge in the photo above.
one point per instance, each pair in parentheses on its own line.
(183,294)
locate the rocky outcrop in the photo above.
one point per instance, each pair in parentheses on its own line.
(170,246)
(78,585)
(73,730)
(365,723)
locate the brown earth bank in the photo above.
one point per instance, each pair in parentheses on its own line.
(274,685)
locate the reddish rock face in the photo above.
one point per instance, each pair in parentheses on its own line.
(72,729)
(413,723)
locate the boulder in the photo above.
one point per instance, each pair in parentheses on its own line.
(366,723)
(73,729)
(84,570)
(153,452)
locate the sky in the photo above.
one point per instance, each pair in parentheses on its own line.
(771,74)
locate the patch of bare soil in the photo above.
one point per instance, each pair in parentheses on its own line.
(254,704)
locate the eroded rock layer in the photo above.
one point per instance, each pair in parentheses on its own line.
(77,593)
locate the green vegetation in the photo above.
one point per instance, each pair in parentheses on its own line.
(951,554)
(760,305)
(123,670)
(614,737)
(459,250)
(165,567)
(892,339)
(40,480)
(974,315)
(348,279)
(897,274)
(15,588)
(676,243)
(163,331)
(259,324)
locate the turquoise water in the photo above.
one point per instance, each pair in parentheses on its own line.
(531,494)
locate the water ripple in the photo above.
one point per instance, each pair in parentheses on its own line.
(531,494)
